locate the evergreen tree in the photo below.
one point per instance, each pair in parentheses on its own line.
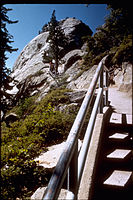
(110,38)
(56,39)
(5,41)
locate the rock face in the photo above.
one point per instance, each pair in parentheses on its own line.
(30,61)
(71,57)
(49,159)
(83,80)
(74,29)
(31,70)
(123,78)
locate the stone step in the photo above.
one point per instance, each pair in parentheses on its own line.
(119,136)
(119,154)
(118,179)
(115,118)
(118,118)
(120,141)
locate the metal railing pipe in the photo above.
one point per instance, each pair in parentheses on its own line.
(73,172)
(101,81)
(106,88)
(60,172)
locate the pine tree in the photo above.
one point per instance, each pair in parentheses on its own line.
(56,39)
(5,41)
(111,36)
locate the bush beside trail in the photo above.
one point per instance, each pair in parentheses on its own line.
(39,125)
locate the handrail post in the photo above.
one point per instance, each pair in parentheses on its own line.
(73,173)
(106,88)
(101,86)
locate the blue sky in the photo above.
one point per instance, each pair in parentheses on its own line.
(32,17)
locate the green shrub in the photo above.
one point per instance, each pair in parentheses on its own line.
(26,138)
(124,51)
(19,176)
(24,107)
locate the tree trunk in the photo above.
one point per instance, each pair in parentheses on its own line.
(56,65)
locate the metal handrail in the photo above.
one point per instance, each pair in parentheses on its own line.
(69,158)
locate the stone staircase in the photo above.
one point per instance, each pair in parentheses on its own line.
(114,176)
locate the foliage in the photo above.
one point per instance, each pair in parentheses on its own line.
(56,39)
(44,28)
(26,138)
(114,34)
(24,107)
(120,18)
(5,41)
(124,51)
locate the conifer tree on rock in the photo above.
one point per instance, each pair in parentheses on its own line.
(56,40)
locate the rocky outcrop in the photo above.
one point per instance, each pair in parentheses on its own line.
(31,68)
(74,29)
(49,159)
(71,57)
(30,59)
(122,77)
(82,80)
(67,108)
(76,96)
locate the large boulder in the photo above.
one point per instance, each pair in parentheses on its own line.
(71,57)
(75,29)
(67,108)
(82,81)
(77,96)
(49,159)
(31,68)
(30,59)
(123,78)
